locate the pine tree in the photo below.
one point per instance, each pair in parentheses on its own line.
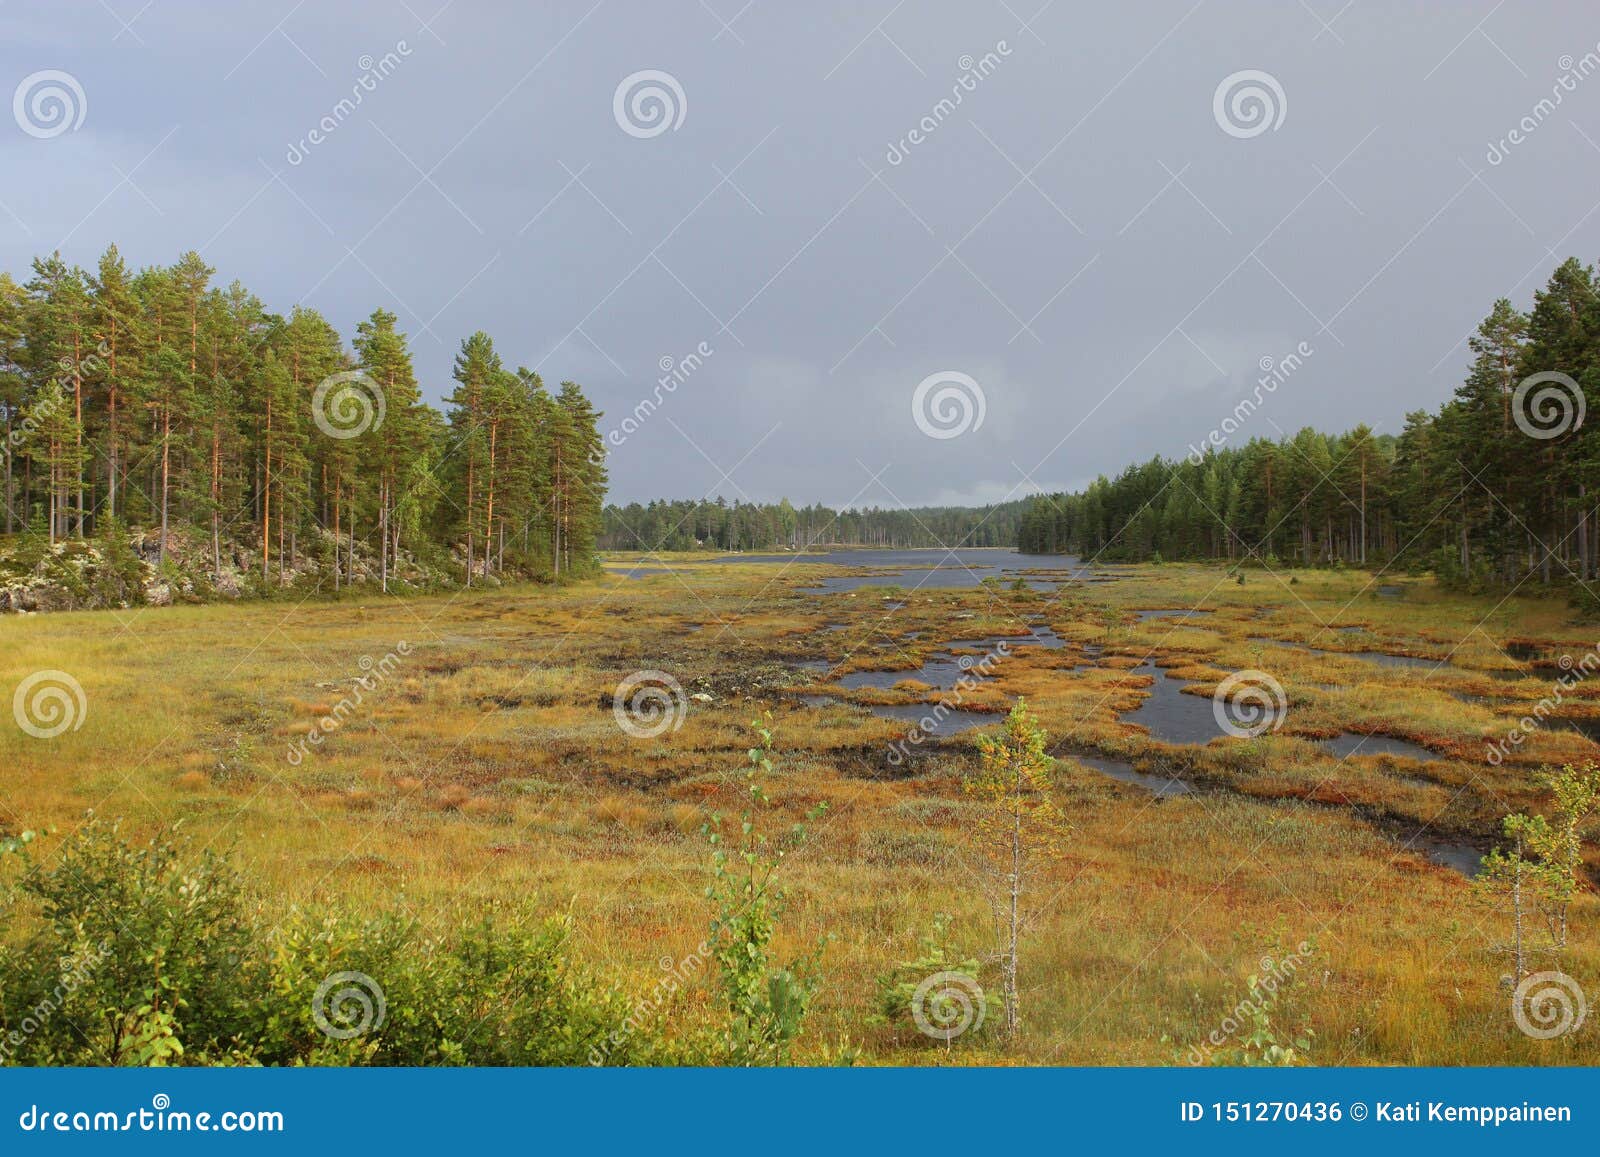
(156,399)
(381,352)
(581,479)
(13,389)
(478,379)
(57,339)
(117,319)
(310,350)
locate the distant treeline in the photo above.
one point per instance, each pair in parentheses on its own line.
(1494,487)
(716,525)
(154,399)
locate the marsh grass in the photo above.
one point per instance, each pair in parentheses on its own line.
(489,765)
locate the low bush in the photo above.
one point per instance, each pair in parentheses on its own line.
(116,954)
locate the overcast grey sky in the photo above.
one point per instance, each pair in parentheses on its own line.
(1082,235)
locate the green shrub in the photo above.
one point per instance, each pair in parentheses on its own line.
(122,945)
(766,1002)
(901,987)
(121,955)
(118,580)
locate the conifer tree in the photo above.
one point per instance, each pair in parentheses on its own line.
(381,353)
(478,379)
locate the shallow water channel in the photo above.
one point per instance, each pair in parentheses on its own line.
(1167,712)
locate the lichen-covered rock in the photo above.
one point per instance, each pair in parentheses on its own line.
(128,570)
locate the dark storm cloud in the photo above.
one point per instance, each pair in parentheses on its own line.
(857,197)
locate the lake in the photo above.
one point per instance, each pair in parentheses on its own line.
(934,568)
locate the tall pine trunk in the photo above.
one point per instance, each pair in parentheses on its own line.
(266,501)
(166,475)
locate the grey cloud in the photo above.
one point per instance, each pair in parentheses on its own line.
(485,184)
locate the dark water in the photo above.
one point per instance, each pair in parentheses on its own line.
(1352,744)
(935,569)
(636,571)
(1505,676)
(1170,715)
(1378,658)
(1038,636)
(1145,616)
(1463,858)
(1589,727)
(1384,660)
(1124,772)
(926,718)
(940,671)
(944,670)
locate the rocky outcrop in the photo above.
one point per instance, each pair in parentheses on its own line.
(94,573)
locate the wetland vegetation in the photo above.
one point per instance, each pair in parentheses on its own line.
(487,766)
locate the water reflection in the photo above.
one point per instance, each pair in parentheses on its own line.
(1124,772)
(1350,743)
(1170,715)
